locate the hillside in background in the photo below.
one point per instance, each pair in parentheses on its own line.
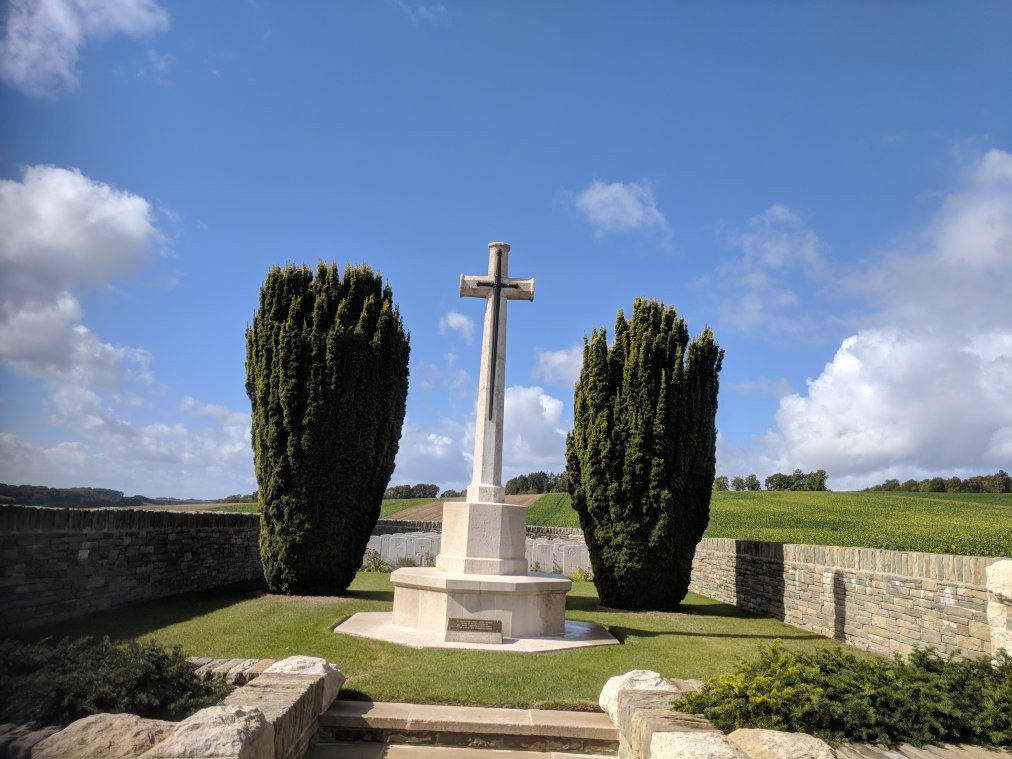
(969,524)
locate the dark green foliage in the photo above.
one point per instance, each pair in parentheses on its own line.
(999,482)
(54,682)
(537,482)
(640,457)
(797,480)
(421,490)
(837,696)
(327,377)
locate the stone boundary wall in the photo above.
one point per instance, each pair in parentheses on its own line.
(61,563)
(396,526)
(878,600)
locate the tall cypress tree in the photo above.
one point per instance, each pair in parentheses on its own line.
(327,378)
(641,454)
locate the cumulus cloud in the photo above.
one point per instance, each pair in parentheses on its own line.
(924,387)
(61,231)
(43,38)
(560,367)
(454,321)
(534,432)
(619,207)
(433,455)
(779,256)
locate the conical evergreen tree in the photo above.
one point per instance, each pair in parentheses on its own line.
(327,378)
(641,454)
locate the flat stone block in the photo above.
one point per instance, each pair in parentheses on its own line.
(380,626)
(425,598)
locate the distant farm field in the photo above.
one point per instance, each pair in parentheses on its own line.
(390,506)
(971,524)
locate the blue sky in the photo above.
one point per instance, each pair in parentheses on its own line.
(827,186)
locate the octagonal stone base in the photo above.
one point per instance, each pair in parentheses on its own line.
(528,606)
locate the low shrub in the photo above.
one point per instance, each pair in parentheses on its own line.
(373,562)
(405,561)
(54,682)
(838,696)
(580,575)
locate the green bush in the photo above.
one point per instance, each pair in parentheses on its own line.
(373,562)
(54,682)
(838,696)
(327,378)
(640,458)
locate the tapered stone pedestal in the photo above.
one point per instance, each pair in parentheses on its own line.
(528,606)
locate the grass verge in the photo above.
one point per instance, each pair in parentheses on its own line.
(702,640)
(968,524)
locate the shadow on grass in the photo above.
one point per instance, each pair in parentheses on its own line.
(622,633)
(371,595)
(142,617)
(693,608)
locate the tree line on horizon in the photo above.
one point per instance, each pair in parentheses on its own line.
(796,480)
(999,482)
(85,498)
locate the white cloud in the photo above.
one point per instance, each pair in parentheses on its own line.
(560,367)
(457,322)
(61,231)
(534,432)
(42,38)
(433,455)
(421,12)
(779,256)
(619,207)
(924,387)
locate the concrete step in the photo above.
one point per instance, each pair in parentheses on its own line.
(395,751)
(540,730)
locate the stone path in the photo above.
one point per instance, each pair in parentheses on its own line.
(433,510)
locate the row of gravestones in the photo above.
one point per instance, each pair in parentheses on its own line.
(421,548)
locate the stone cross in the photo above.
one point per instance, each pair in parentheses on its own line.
(497,288)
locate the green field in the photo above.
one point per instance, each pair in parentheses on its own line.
(971,524)
(390,506)
(700,640)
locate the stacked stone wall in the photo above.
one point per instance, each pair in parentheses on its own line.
(61,563)
(878,600)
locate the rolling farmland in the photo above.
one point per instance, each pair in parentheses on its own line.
(973,524)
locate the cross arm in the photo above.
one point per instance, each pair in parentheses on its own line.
(520,289)
(474,286)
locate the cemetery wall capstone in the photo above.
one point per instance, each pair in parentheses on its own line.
(878,600)
(61,563)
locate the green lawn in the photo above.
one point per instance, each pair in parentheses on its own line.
(393,505)
(700,641)
(244,507)
(390,506)
(973,524)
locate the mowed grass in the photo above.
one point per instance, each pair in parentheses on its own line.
(390,506)
(701,640)
(233,507)
(970,524)
(553,510)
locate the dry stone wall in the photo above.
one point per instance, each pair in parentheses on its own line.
(879,600)
(60,563)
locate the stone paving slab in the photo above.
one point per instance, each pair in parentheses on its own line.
(378,625)
(393,751)
(463,719)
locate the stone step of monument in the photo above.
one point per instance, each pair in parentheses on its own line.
(537,730)
(363,750)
